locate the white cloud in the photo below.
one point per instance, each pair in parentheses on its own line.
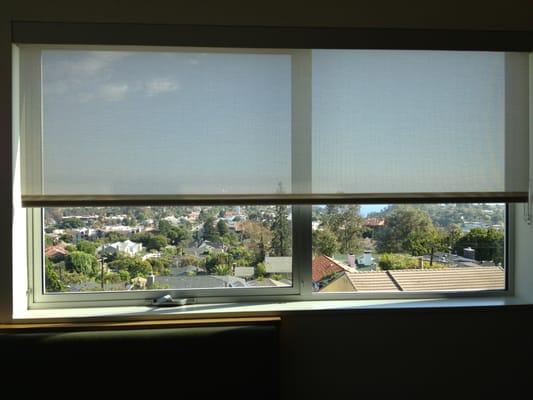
(160,85)
(71,71)
(107,92)
(113,92)
(92,63)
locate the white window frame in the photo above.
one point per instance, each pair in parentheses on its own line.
(28,57)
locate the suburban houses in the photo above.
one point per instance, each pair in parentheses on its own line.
(250,246)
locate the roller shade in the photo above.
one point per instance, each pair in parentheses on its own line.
(110,125)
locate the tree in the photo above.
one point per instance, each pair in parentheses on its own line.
(112,237)
(209,232)
(187,260)
(426,242)
(325,242)
(281,241)
(257,233)
(149,241)
(82,263)
(222,269)
(134,265)
(222,227)
(487,243)
(160,265)
(453,234)
(241,256)
(405,230)
(176,235)
(71,223)
(86,247)
(53,282)
(346,223)
(260,270)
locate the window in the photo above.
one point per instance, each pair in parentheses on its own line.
(167,248)
(409,248)
(235,173)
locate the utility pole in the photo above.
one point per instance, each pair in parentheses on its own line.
(102,274)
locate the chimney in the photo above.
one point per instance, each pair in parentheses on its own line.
(150,281)
(469,252)
(367,258)
(351,260)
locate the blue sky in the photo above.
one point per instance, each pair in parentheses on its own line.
(192,122)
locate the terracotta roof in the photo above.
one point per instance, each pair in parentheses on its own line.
(429,280)
(461,278)
(372,281)
(55,250)
(324,266)
(374,222)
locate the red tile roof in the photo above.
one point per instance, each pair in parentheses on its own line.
(374,222)
(324,266)
(55,250)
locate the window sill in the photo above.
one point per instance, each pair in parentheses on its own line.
(212,312)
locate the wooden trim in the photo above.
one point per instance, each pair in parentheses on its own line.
(266,199)
(269,36)
(145,324)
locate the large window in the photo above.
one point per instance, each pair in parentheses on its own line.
(213,172)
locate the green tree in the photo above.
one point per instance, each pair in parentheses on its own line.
(260,270)
(281,244)
(135,266)
(53,282)
(112,237)
(71,223)
(487,243)
(149,241)
(176,235)
(222,227)
(405,230)
(222,269)
(346,223)
(427,241)
(241,256)
(453,234)
(187,260)
(160,265)
(209,231)
(87,247)
(82,263)
(325,242)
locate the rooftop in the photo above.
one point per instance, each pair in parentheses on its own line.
(428,280)
(324,266)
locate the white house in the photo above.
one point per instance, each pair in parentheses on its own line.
(128,247)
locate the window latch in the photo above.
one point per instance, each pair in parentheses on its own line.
(168,301)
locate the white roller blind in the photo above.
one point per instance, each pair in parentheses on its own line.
(412,121)
(165,122)
(190,124)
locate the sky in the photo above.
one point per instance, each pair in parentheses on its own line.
(369,208)
(123,122)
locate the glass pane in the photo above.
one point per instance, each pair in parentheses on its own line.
(408,248)
(124,248)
